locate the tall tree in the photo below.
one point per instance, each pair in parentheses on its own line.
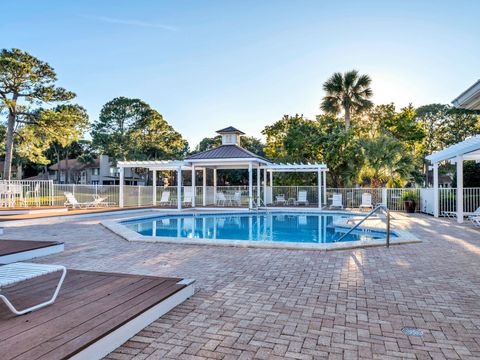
(349,92)
(25,82)
(130,129)
(111,134)
(443,126)
(156,139)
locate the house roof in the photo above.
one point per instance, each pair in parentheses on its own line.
(230,130)
(74,164)
(225,152)
(469,99)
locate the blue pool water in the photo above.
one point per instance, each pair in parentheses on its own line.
(261,226)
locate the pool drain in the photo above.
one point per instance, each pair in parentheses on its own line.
(410,331)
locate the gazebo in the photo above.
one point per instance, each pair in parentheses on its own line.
(229,155)
(468,149)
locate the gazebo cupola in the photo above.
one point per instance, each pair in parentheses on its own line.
(230,135)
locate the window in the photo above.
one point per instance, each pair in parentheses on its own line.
(96,171)
(114,171)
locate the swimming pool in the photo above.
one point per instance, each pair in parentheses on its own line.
(260,227)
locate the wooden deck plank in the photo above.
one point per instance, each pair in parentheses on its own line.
(90,306)
(70,302)
(31,338)
(8,247)
(86,333)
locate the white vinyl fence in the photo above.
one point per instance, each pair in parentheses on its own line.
(24,193)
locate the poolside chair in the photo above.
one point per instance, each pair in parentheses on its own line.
(469,215)
(165,200)
(237,198)
(101,201)
(280,199)
(302,198)
(366,201)
(35,193)
(337,201)
(188,196)
(221,199)
(73,202)
(475,220)
(15,273)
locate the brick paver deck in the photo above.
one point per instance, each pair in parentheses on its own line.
(275,304)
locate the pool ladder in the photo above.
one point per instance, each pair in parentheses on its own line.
(375,210)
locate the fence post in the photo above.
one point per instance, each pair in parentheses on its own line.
(385,196)
(50,192)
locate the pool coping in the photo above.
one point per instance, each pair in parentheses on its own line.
(116,226)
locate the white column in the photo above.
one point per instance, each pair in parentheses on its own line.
(204,187)
(154,186)
(459,189)
(120,190)
(193,186)
(271,187)
(436,194)
(250,188)
(214,186)
(179,188)
(265,187)
(324,187)
(319,188)
(258,186)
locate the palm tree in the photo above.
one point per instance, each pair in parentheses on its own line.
(349,92)
(386,161)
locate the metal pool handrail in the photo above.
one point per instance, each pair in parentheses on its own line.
(377,208)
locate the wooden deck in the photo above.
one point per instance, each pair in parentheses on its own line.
(71,212)
(94,313)
(21,250)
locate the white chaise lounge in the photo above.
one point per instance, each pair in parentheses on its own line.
(366,201)
(15,273)
(75,204)
(302,198)
(165,200)
(337,201)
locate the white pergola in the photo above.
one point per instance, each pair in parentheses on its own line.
(468,149)
(203,164)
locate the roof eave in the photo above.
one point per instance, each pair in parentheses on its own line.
(469,99)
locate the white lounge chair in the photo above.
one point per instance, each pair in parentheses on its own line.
(35,194)
(237,198)
(188,195)
(469,215)
(302,198)
(366,201)
(165,200)
(221,199)
(475,220)
(337,201)
(74,203)
(280,199)
(15,273)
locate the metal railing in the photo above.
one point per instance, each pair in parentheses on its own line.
(27,193)
(377,208)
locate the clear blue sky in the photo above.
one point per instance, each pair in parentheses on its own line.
(208,64)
